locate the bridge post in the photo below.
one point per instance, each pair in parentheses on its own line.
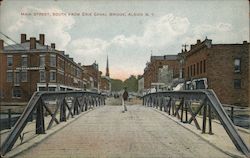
(40,129)
(210,119)
(182,108)
(9,119)
(169,106)
(63,111)
(204,117)
(186,111)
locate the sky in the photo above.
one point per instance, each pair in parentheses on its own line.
(126,31)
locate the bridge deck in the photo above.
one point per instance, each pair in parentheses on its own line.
(107,132)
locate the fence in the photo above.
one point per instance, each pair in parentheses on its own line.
(67,104)
(207,102)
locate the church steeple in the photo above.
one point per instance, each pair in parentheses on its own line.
(107,67)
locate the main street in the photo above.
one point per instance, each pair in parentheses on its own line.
(107,132)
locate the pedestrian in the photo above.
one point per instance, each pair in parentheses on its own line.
(124,98)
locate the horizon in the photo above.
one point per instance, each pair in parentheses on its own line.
(125,31)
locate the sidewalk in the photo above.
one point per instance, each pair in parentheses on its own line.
(218,139)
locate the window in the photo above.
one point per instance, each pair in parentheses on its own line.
(237,83)
(24,61)
(16,93)
(1,94)
(9,60)
(9,76)
(53,60)
(52,88)
(24,76)
(17,78)
(42,76)
(204,66)
(237,65)
(52,75)
(194,69)
(188,72)
(201,67)
(42,60)
(198,66)
(42,89)
(191,68)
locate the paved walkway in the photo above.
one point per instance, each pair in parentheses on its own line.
(107,132)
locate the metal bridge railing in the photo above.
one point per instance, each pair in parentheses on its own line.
(207,102)
(65,103)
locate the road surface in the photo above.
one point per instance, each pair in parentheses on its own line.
(107,132)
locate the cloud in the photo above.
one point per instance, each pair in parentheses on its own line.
(157,33)
(127,53)
(87,50)
(219,33)
(54,27)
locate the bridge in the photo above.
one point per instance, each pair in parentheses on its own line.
(165,124)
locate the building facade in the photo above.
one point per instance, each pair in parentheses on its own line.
(221,67)
(105,81)
(33,66)
(155,66)
(140,85)
(92,76)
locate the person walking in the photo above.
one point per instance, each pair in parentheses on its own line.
(124,99)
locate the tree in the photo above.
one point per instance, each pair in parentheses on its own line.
(116,85)
(131,83)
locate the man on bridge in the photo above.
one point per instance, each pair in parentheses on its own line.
(124,98)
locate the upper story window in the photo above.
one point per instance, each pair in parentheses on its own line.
(237,65)
(42,76)
(198,67)
(201,67)
(9,60)
(42,60)
(237,83)
(53,60)
(17,78)
(24,76)
(16,92)
(9,76)
(204,66)
(52,75)
(24,61)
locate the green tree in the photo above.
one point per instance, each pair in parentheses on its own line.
(131,83)
(116,85)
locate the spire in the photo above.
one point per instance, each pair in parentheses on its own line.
(107,67)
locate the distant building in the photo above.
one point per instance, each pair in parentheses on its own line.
(141,85)
(221,67)
(33,66)
(154,68)
(91,75)
(165,76)
(105,82)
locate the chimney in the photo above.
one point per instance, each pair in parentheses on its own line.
(53,46)
(1,44)
(41,39)
(198,41)
(244,42)
(32,43)
(23,38)
(192,46)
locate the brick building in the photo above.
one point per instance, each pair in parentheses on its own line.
(221,67)
(33,66)
(92,76)
(152,70)
(105,82)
